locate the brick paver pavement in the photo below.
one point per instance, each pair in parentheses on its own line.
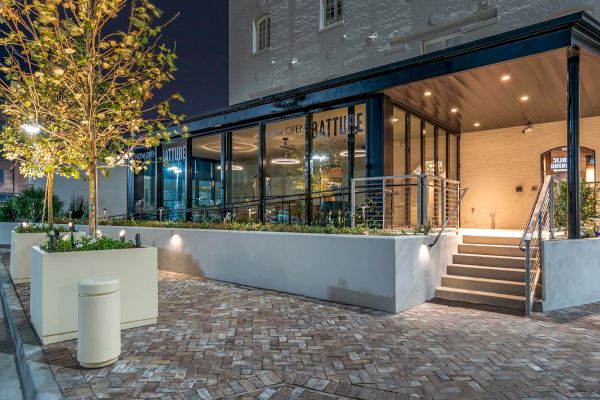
(218,340)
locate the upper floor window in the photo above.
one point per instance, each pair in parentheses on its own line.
(441,43)
(262,33)
(331,12)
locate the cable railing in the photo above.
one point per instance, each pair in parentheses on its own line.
(540,226)
(405,202)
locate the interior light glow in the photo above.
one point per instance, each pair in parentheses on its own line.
(394,119)
(524,98)
(454,110)
(427,93)
(476,124)
(234,167)
(358,153)
(31,129)
(505,78)
(285,161)
(175,169)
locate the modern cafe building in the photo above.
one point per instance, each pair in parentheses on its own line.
(486,93)
(399,115)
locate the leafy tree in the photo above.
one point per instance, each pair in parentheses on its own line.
(588,196)
(100,80)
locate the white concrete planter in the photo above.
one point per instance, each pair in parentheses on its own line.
(570,274)
(20,254)
(54,280)
(385,273)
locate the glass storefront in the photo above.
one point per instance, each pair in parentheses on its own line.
(291,171)
(144,183)
(174,172)
(285,171)
(206,178)
(244,180)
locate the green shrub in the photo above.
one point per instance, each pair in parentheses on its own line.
(38,228)
(255,227)
(27,206)
(85,243)
(588,196)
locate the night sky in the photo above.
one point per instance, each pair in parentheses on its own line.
(201,34)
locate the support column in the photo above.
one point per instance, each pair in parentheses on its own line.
(262,164)
(573,119)
(308,142)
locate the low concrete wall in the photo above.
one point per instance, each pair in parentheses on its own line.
(385,273)
(571,273)
(5,230)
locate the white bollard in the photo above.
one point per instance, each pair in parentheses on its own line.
(98,322)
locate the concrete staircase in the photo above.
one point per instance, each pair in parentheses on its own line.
(486,270)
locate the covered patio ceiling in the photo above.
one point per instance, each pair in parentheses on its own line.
(529,90)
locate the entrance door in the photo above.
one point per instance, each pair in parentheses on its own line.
(554,162)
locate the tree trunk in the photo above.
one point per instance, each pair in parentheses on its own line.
(50,194)
(92,195)
(44,204)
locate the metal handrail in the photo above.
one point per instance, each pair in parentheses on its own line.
(462,193)
(540,219)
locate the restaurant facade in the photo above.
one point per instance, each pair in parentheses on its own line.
(495,115)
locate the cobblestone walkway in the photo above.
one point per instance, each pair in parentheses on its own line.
(217,340)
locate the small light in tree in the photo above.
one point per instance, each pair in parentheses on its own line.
(31,129)
(122,235)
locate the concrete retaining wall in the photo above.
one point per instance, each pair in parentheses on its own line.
(5,230)
(571,273)
(385,273)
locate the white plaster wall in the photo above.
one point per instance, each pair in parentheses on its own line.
(5,232)
(112,191)
(384,273)
(346,49)
(571,273)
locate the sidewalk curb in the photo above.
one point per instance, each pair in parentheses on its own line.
(37,378)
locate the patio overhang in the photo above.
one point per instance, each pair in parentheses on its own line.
(577,29)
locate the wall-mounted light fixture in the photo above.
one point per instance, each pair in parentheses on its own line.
(527,129)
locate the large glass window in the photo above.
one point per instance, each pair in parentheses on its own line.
(285,171)
(453,156)
(360,141)
(262,33)
(331,12)
(174,157)
(329,165)
(206,177)
(144,183)
(245,187)
(442,162)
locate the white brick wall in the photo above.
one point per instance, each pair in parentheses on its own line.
(346,49)
(494,163)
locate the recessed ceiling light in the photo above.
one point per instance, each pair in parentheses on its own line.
(505,78)
(427,93)
(524,98)
(454,110)
(476,124)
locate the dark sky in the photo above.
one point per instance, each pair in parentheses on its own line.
(201,33)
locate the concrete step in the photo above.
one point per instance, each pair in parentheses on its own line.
(478,271)
(491,250)
(489,261)
(495,240)
(484,285)
(478,297)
